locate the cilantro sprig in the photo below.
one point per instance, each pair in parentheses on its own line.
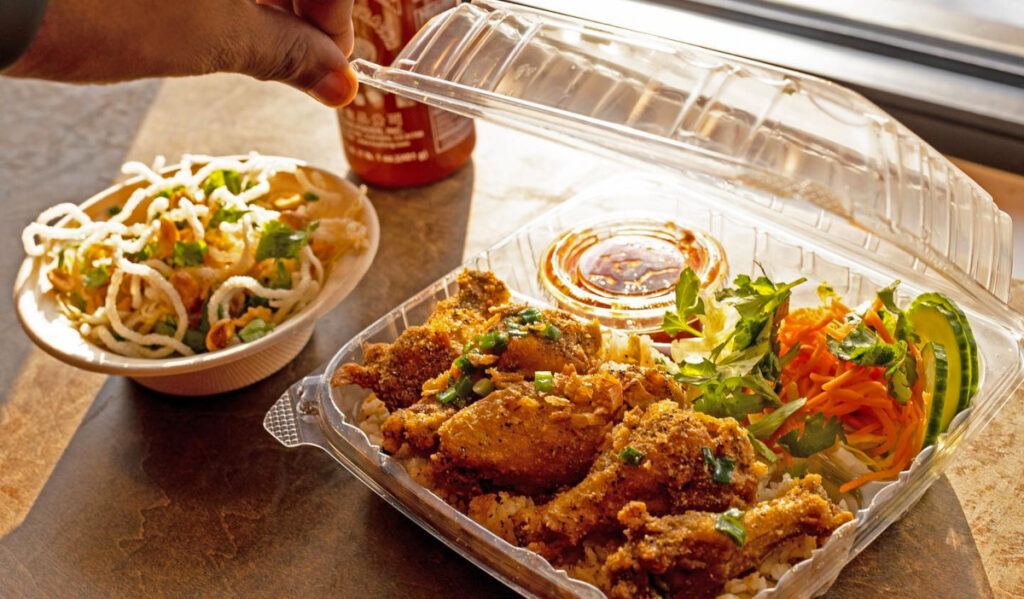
(688,304)
(278,240)
(864,347)
(818,435)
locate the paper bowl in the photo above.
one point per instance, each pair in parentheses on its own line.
(203,374)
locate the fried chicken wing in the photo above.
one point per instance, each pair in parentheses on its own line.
(685,556)
(664,467)
(554,341)
(396,371)
(415,429)
(526,440)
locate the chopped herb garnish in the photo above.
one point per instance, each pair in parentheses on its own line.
(255,301)
(170,191)
(543,381)
(696,373)
(818,435)
(256,329)
(551,332)
(483,387)
(766,427)
(113,211)
(167,327)
(309,196)
(447,396)
(195,340)
(223,178)
(631,456)
(493,340)
(529,315)
(762,450)
(730,523)
(862,346)
(145,253)
(78,301)
(282,277)
(225,215)
(464,365)
(721,467)
(189,253)
(96,277)
(463,386)
(688,305)
(281,241)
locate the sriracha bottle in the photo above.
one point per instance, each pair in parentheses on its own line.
(389,140)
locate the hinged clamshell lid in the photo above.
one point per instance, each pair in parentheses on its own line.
(804,141)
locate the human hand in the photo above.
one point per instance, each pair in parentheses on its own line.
(303,43)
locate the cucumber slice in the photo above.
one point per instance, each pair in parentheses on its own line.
(945,302)
(936,377)
(933,323)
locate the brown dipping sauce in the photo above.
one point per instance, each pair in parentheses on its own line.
(624,272)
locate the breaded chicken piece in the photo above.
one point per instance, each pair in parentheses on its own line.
(396,371)
(643,386)
(663,467)
(578,344)
(685,556)
(416,428)
(576,347)
(528,441)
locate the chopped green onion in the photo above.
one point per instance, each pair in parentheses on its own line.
(166,193)
(225,215)
(632,456)
(447,396)
(721,467)
(543,381)
(483,387)
(730,524)
(463,386)
(196,340)
(223,178)
(309,196)
(166,327)
(78,301)
(96,277)
(463,364)
(496,340)
(256,329)
(551,332)
(516,332)
(189,253)
(113,211)
(529,315)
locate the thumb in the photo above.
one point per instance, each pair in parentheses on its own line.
(278,46)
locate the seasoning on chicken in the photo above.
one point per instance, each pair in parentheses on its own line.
(663,455)
(414,430)
(689,555)
(528,438)
(396,371)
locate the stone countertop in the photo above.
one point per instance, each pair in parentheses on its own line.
(108,489)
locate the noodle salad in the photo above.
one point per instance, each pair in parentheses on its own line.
(213,254)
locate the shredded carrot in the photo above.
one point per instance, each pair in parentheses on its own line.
(888,432)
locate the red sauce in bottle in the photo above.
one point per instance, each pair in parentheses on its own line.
(389,140)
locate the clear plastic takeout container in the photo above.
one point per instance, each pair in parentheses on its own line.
(795,173)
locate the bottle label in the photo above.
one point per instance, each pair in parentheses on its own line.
(385,128)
